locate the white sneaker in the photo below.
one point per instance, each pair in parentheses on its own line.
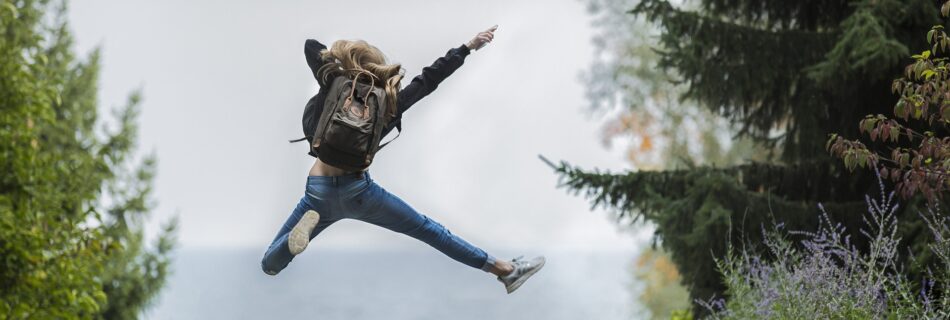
(300,234)
(524,269)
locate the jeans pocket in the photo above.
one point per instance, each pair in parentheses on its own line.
(363,196)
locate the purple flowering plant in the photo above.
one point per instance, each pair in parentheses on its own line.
(826,277)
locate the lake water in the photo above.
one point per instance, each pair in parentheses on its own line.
(393,284)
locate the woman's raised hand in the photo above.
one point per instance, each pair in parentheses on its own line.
(482,38)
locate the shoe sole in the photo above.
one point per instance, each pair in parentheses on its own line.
(300,234)
(517,284)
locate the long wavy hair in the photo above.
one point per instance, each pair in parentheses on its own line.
(352,56)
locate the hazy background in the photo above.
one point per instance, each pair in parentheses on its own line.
(224,86)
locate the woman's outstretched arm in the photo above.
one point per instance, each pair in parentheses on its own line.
(423,84)
(311,50)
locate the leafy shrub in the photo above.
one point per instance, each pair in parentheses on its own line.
(913,148)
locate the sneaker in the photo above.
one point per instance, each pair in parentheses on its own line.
(524,269)
(300,234)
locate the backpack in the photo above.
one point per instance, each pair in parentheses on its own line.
(349,129)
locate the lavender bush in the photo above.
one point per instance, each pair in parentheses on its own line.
(827,277)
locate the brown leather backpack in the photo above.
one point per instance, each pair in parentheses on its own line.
(352,122)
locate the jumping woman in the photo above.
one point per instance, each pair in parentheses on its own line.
(358,74)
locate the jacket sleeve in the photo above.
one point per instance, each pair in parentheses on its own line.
(311,50)
(423,84)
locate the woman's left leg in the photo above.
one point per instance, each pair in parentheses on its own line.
(377,206)
(278,254)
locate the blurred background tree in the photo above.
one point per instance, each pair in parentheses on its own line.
(782,75)
(659,130)
(658,286)
(73,196)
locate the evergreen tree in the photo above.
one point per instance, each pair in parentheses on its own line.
(658,130)
(786,74)
(72,195)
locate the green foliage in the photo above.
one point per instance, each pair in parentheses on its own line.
(70,209)
(664,132)
(868,46)
(918,138)
(778,69)
(786,74)
(701,212)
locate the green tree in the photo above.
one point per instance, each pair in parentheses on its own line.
(786,74)
(73,197)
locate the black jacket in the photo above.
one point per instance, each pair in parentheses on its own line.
(421,86)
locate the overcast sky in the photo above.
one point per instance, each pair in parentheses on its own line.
(225,82)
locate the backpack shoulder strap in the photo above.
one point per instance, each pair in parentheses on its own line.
(329,107)
(398,127)
(398,132)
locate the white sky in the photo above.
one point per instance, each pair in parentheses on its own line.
(225,83)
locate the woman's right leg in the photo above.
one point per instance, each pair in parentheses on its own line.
(377,206)
(278,254)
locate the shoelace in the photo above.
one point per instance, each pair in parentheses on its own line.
(519,264)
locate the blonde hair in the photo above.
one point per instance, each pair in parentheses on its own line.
(353,56)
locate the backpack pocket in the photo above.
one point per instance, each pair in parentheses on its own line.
(350,134)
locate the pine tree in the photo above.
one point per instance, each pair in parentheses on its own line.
(72,195)
(787,74)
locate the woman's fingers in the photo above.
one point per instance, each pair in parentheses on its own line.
(484,37)
(490,32)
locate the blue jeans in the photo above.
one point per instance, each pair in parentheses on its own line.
(356,196)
